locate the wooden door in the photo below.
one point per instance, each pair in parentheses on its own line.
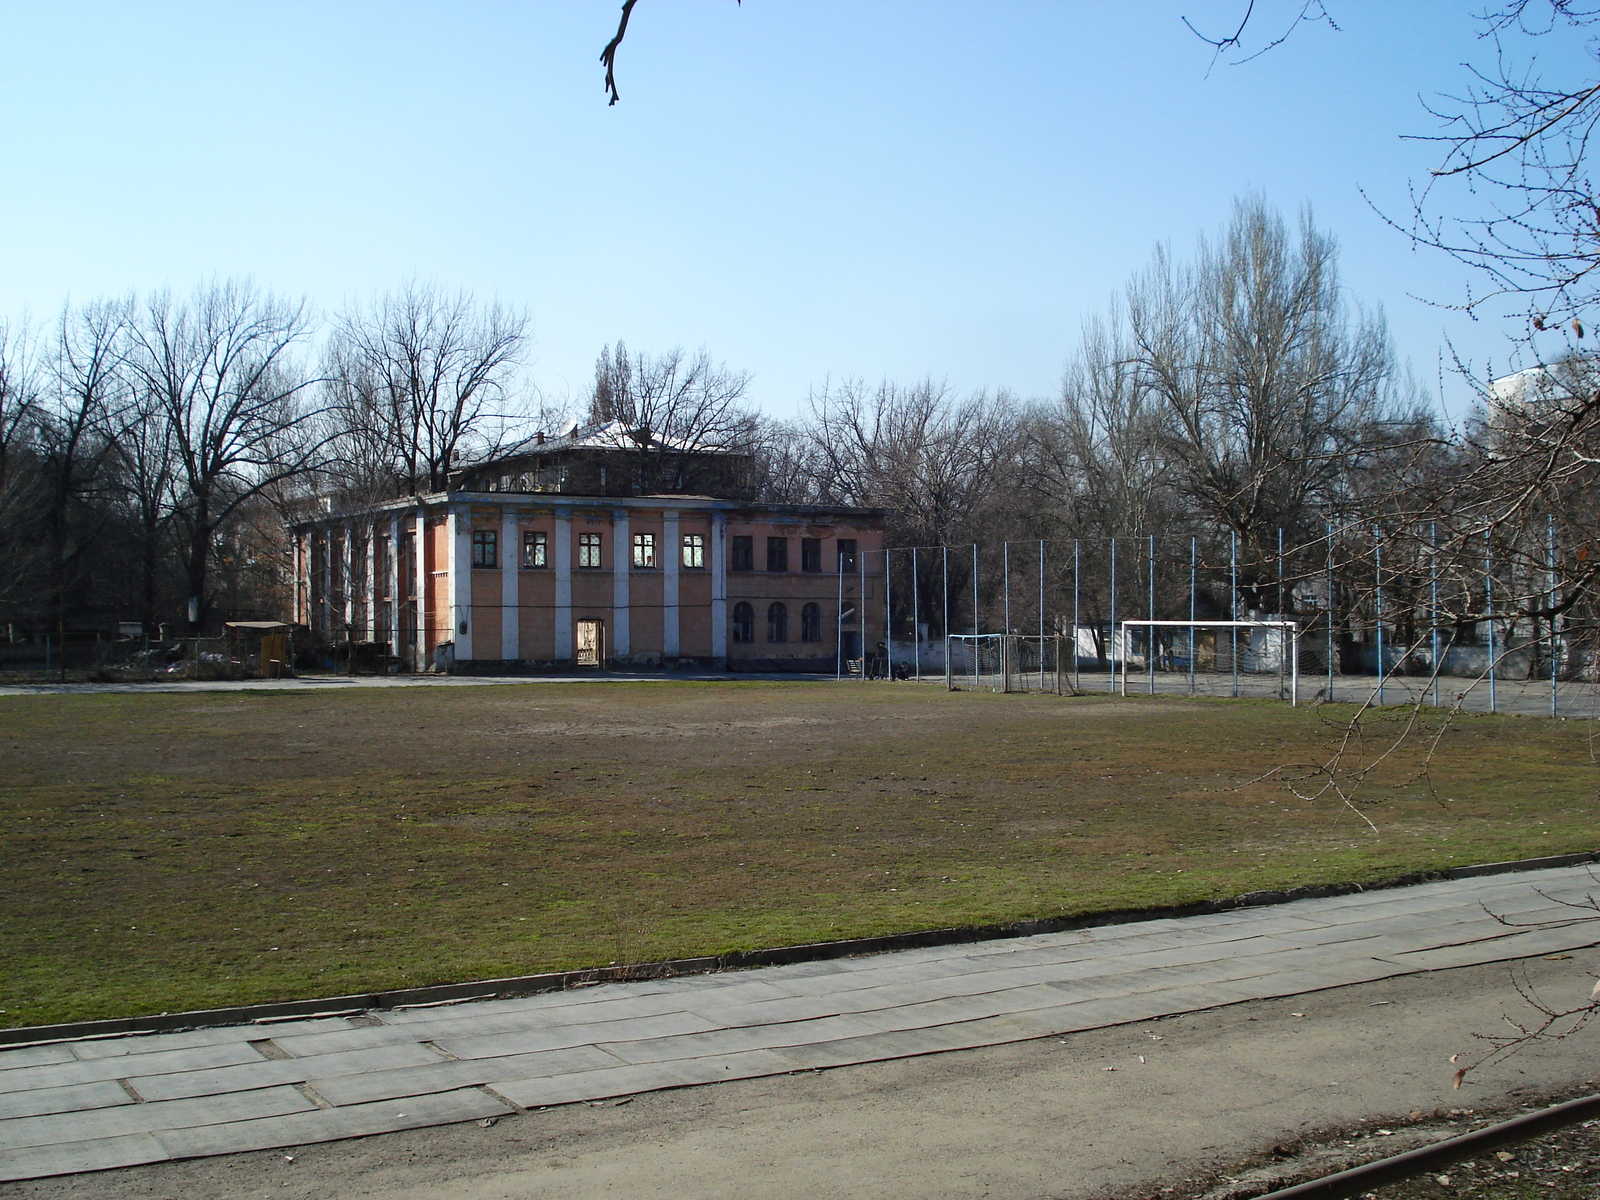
(590,637)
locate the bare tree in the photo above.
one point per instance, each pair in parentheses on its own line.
(146,478)
(940,465)
(676,406)
(221,371)
(1100,460)
(1512,195)
(1274,391)
(422,379)
(76,438)
(22,487)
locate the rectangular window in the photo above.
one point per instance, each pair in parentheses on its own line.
(485,548)
(847,554)
(535,548)
(743,556)
(694,550)
(811,554)
(589,550)
(777,554)
(644,550)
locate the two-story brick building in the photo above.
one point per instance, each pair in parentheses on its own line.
(511,569)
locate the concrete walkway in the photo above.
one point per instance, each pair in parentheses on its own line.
(87,1105)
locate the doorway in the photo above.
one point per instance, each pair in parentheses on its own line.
(591,643)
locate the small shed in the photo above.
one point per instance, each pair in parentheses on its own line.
(267,645)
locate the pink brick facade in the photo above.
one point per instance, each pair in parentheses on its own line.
(530,582)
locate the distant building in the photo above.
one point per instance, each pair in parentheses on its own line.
(599,548)
(1541,391)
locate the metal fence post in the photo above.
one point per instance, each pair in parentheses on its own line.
(1112,633)
(888,618)
(916,615)
(1280,572)
(1332,607)
(976,628)
(945,588)
(1488,604)
(1041,626)
(1550,564)
(1005,567)
(1194,557)
(1077,678)
(1377,584)
(1233,590)
(1150,635)
(861,607)
(1433,605)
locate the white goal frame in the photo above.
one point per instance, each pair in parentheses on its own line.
(1011,675)
(1289,629)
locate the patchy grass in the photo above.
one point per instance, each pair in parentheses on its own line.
(164,852)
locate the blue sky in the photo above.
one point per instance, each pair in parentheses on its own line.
(807,188)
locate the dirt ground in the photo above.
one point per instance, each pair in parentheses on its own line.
(1167,1108)
(230,848)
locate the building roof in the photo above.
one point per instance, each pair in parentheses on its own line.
(612,435)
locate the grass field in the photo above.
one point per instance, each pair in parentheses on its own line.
(164,852)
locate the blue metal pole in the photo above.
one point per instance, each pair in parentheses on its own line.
(1041,624)
(1150,635)
(1233,587)
(945,587)
(1332,649)
(1550,562)
(1377,579)
(1077,678)
(976,629)
(1194,557)
(1433,603)
(1005,567)
(1114,640)
(916,615)
(1488,602)
(888,619)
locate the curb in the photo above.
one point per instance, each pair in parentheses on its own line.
(555,981)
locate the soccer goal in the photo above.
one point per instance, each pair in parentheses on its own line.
(1005,662)
(1211,658)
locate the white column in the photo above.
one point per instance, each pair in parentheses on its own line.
(673,549)
(510,586)
(347,564)
(393,584)
(621,552)
(372,581)
(563,561)
(422,588)
(325,604)
(719,589)
(296,613)
(458,584)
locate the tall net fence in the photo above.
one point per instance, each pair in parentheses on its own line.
(1497,622)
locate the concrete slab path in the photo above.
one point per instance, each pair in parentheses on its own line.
(79,1106)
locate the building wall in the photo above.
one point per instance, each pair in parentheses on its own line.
(519,616)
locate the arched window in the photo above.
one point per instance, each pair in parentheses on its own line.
(777,623)
(744,622)
(811,623)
